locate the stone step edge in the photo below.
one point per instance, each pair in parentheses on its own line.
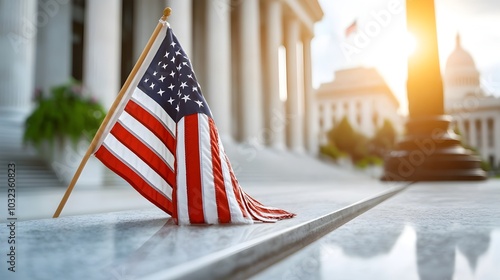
(249,258)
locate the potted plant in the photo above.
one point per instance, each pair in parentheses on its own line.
(61,127)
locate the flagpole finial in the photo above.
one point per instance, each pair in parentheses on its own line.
(166,13)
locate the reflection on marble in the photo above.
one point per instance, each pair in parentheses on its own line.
(430,231)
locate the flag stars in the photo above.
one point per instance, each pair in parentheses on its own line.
(186,98)
(167,54)
(171,87)
(161,78)
(200,103)
(183,85)
(171,100)
(173,44)
(190,76)
(160,92)
(195,89)
(178,52)
(173,59)
(154,73)
(179,93)
(146,80)
(152,86)
(179,67)
(177,108)
(172,74)
(164,66)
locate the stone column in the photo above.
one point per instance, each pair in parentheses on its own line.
(294,114)
(473,133)
(217,63)
(18,30)
(310,114)
(250,84)
(484,138)
(101,73)
(181,21)
(54,46)
(146,16)
(275,121)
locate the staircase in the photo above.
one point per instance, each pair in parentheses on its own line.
(31,171)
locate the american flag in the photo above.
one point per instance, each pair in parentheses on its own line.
(163,141)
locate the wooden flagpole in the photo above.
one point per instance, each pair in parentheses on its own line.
(166,13)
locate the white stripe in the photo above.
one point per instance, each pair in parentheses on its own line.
(133,161)
(155,109)
(182,200)
(234,207)
(207,176)
(148,137)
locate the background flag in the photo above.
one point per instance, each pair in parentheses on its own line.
(351,28)
(163,141)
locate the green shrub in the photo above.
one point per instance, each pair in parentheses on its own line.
(66,113)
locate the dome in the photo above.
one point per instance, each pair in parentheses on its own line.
(460,58)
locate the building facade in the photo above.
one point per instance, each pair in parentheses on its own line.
(361,95)
(476,113)
(237,48)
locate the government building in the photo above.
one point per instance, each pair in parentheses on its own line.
(476,112)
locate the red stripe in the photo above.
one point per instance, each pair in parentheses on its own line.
(236,188)
(220,189)
(152,123)
(193,172)
(136,181)
(143,152)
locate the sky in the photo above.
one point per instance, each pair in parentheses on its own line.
(386,44)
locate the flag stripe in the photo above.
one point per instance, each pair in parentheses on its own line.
(151,123)
(134,162)
(181,192)
(223,212)
(144,134)
(235,186)
(144,153)
(131,176)
(192,155)
(208,186)
(155,109)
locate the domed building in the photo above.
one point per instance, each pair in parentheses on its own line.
(476,113)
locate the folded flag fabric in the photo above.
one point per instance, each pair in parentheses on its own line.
(163,141)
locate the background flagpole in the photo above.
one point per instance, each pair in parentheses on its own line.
(166,13)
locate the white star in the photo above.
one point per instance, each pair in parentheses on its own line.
(184,63)
(154,73)
(173,59)
(177,108)
(152,85)
(190,76)
(195,89)
(171,86)
(178,52)
(146,80)
(166,54)
(159,62)
(183,85)
(172,74)
(179,93)
(164,66)
(161,92)
(179,67)
(173,44)
(162,78)
(186,98)
(200,103)
(171,100)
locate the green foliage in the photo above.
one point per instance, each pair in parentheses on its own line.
(384,139)
(331,151)
(343,139)
(65,113)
